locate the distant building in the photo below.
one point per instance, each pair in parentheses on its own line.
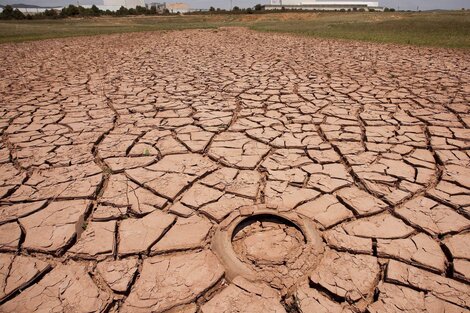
(178,7)
(114,5)
(159,7)
(129,4)
(322,5)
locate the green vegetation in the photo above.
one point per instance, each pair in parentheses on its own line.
(8,13)
(26,30)
(440,29)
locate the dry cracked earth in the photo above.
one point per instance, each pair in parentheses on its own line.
(121,156)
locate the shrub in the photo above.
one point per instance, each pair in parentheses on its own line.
(71,10)
(122,11)
(95,11)
(9,13)
(51,13)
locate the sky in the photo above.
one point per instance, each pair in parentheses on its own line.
(225,4)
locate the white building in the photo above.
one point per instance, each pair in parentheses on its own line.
(114,5)
(178,7)
(322,5)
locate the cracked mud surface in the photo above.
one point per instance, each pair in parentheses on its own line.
(121,155)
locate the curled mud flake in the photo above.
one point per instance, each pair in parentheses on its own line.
(172,174)
(439,286)
(348,276)
(451,194)
(194,137)
(138,235)
(125,163)
(118,274)
(282,196)
(462,269)
(106,213)
(360,201)
(459,245)
(234,299)
(325,210)
(55,226)
(311,300)
(245,184)
(76,181)
(227,204)
(337,238)
(181,210)
(396,299)
(199,195)
(459,175)
(19,272)
(10,235)
(432,217)
(97,240)
(10,178)
(187,233)
(11,212)
(171,280)
(66,287)
(328,177)
(383,226)
(237,150)
(419,249)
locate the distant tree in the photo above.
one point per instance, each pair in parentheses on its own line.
(211,9)
(258,7)
(122,11)
(392,10)
(249,11)
(18,15)
(7,12)
(95,11)
(83,11)
(140,10)
(71,10)
(132,11)
(51,13)
(235,8)
(153,10)
(386,10)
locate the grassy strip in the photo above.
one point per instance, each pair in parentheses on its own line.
(436,29)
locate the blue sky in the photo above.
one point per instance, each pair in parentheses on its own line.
(403,4)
